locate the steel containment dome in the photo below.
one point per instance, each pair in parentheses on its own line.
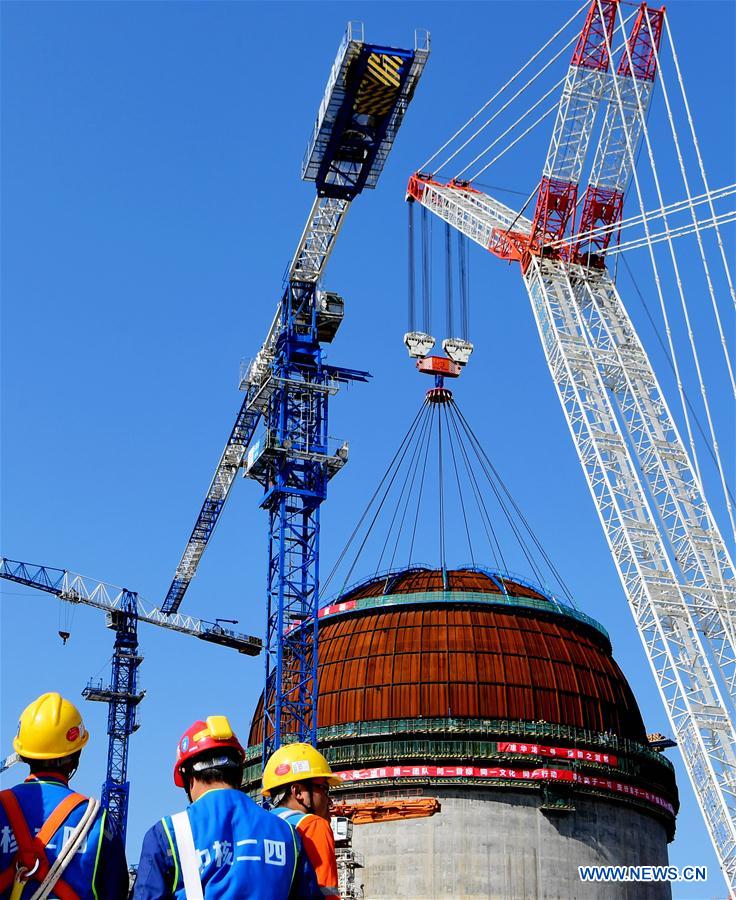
(487,740)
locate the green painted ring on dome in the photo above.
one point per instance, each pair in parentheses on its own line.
(423,598)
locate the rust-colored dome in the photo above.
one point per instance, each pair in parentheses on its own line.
(466,645)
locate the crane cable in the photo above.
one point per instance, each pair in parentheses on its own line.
(513,78)
(652,257)
(555,106)
(666,355)
(696,145)
(386,474)
(683,173)
(683,301)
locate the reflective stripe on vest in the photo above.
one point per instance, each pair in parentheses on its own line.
(187,856)
(31,853)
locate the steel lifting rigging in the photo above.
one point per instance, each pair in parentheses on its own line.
(123,610)
(288,384)
(670,555)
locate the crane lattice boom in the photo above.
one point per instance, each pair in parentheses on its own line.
(671,558)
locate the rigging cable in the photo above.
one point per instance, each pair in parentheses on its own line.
(513,78)
(440,473)
(426,270)
(669,361)
(683,303)
(386,474)
(696,145)
(410,474)
(493,542)
(420,443)
(463,255)
(537,543)
(460,491)
(449,323)
(411,294)
(419,494)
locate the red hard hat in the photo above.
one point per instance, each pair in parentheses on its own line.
(213,734)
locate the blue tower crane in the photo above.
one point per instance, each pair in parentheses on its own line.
(288,384)
(124,610)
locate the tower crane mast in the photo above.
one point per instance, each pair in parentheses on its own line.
(288,384)
(669,553)
(124,610)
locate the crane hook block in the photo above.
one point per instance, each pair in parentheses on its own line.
(439,365)
(418,343)
(457,349)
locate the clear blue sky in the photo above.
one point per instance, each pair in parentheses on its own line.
(151,200)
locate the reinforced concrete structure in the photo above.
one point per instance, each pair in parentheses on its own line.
(487,741)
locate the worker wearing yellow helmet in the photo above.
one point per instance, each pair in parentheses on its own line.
(297,778)
(53,841)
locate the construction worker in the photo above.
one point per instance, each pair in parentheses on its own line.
(223,845)
(53,841)
(297,778)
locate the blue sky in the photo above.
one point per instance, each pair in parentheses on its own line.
(151,201)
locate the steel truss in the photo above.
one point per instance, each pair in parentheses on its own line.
(122,698)
(673,563)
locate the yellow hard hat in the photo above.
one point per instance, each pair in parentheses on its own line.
(50,728)
(295,762)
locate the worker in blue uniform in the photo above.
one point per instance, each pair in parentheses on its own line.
(53,841)
(223,846)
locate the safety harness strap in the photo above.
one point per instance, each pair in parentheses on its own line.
(31,853)
(187,856)
(59,816)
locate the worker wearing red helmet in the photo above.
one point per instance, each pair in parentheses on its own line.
(223,845)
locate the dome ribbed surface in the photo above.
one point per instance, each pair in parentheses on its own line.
(478,660)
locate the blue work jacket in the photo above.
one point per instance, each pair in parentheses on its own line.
(243,852)
(98,869)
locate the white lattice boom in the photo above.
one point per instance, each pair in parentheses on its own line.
(671,558)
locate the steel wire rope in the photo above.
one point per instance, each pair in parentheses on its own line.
(669,361)
(680,231)
(463,252)
(514,142)
(494,544)
(499,499)
(696,145)
(411,470)
(513,78)
(371,501)
(426,270)
(674,207)
(459,491)
(440,475)
(419,494)
(420,443)
(652,257)
(538,544)
(696,471)
(375,517)
(449,312)
(683,305)
(411,293)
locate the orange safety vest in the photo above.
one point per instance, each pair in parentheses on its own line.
(31,856)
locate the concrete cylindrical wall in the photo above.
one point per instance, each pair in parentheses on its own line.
(500,844)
